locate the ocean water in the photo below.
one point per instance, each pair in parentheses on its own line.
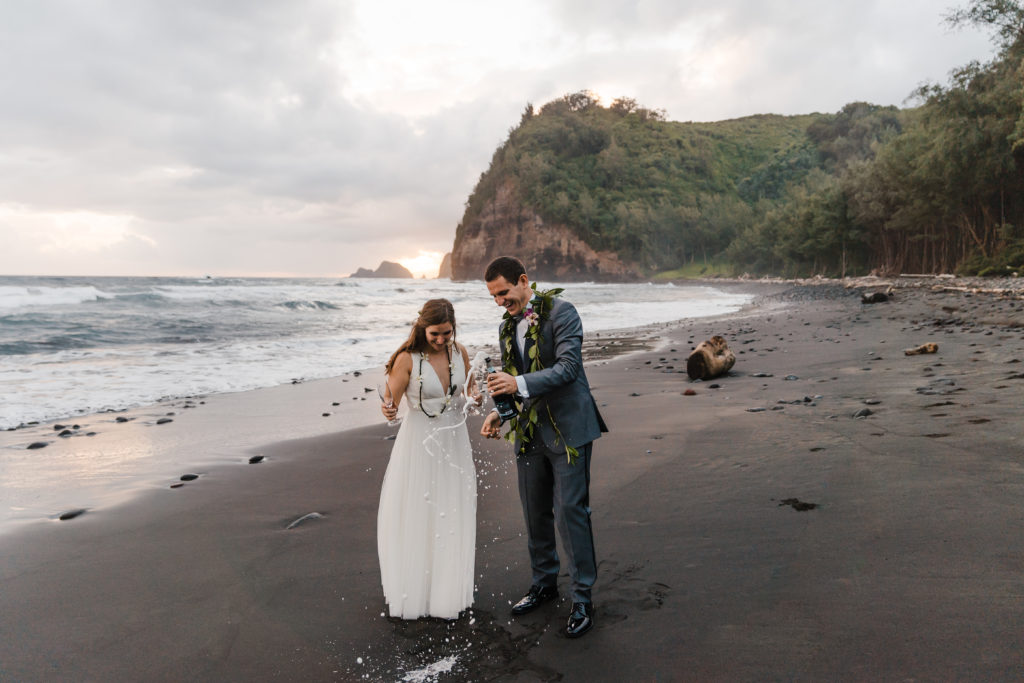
(80,345)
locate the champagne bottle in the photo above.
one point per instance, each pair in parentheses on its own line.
(505,403)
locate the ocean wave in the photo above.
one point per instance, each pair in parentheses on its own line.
(49,345)
(13,297)
(308,306)
(141,298)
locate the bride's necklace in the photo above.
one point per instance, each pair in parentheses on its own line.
(451,386)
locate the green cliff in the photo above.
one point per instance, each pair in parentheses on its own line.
(585,192)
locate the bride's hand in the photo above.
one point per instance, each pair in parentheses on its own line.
(491,427)
(390,412)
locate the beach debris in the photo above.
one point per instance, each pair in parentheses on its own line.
(66,433)
(71,514)
(714,386)
(710,359)
(177,485)
(189,477)
(256,459)
(689,392)
(863,412)
(798,505)
(930,347)
(871,401)
(57,428)
(791,378)
(122,418)
(164,420)
(876,297)
(755,410)
(762,374)
(326,415)
(304,518)
(37,444)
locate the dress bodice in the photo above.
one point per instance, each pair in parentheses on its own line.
(433,395)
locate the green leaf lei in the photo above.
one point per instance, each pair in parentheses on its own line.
(522,426)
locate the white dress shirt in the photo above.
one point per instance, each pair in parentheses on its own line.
(521,328)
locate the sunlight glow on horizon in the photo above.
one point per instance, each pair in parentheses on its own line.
(426,263)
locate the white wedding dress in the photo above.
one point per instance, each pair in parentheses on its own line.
(426,523)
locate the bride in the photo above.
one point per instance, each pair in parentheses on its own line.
(426,523)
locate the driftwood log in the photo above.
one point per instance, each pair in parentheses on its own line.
(930,347)
(876,297)
(710,359)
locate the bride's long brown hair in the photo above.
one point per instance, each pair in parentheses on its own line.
(434,312)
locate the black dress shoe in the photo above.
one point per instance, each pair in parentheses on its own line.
(581,619)
(536,597)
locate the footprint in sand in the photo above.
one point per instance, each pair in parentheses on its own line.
(627,592)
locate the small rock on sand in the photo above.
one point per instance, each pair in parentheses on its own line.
(798,505)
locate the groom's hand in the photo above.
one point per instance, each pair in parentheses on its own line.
(501,383)
(491,427)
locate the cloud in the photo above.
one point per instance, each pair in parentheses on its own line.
(316,136)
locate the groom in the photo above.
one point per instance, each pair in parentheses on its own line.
(553,491)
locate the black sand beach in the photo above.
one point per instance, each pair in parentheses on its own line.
(831,510)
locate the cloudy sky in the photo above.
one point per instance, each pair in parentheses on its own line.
(312,137)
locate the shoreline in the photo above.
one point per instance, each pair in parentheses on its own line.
(95,462)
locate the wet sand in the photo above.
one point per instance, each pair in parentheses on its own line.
(754,530)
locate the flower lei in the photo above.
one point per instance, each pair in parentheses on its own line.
(451,386)
(539,309)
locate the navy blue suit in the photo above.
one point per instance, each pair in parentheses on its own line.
(554,493)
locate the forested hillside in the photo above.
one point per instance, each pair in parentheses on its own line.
(935,188)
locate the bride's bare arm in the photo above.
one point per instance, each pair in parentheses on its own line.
(398,382)
(471,389)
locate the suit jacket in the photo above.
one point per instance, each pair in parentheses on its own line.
(561,384)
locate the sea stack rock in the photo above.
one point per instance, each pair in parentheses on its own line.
(385,269)
(445,271)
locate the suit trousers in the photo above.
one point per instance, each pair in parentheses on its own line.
(554,493)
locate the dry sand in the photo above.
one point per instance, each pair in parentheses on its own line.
(908,565)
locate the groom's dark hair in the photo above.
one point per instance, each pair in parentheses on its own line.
(508,267)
